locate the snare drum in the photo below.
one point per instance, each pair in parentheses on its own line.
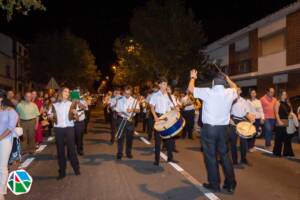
(245,129)
(170,124)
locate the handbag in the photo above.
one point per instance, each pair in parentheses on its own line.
(18,131)
(285,123)
(15,154)
(293,123)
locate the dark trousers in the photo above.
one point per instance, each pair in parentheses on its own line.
(282,139)
(79,131)
(251,141)
(214,141)
(144,120)
(168,143)
(113,125)
(150,127)
(87,119)
(233,138)
(189,116)
(126,134)
(66,136)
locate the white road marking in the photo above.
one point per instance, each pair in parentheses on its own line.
(41,148)
(188,176)
(50,139)
(263,150)
(26,163)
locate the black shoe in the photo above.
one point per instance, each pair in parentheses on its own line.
(245,162)
(211,187)
(80,153)
(191,138)
(156,163)
(230,188)
(130,156)
(173,161)
(77,173)
(119,157)
(60,177)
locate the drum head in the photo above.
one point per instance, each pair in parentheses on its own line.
(167,120)
(245,129)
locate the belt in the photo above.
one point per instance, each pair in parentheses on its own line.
(27,120)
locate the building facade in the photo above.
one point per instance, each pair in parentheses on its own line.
(263,54)
(13,64)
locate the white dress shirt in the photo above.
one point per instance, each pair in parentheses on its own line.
(217,102)
(126,103)
(256,108)
(162,102)
(240,108)
(113,102)
(81,112)
(62,112)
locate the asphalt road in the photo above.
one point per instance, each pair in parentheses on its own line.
(102,177)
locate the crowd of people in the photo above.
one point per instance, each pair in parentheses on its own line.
(40,115)
(273,118)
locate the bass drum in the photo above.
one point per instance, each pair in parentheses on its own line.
(170,124)
(245,130)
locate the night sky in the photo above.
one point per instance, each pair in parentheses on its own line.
(101,22)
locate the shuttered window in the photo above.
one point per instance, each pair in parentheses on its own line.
(293,38)
(273,43)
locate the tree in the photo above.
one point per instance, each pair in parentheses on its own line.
(21,6)
(168,40)
(63,56)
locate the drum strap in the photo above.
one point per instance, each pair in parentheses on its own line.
(169,95)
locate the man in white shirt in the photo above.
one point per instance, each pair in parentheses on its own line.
(63,114)
(189,115)
(150,117)
(240,111)
(160,104)
(112,104)
(217,103)
(126,108)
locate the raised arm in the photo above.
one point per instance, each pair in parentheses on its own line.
(231,83)
(193,76)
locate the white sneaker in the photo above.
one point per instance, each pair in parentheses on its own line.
(252,150)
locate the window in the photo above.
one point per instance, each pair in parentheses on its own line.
(243,61)
(272,43)
(7,71)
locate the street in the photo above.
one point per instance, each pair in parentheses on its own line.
(103,177)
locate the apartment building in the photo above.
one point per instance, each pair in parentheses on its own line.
(13,64)
(263,54)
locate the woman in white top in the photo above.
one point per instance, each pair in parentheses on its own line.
(256,108)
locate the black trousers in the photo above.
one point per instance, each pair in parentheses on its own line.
(282,139)
(189,116)
(113,125)
(65,136)
(214,141)
(79,131)
(233,138)
(87,119)
(128,135)
(150,127)
(144,120)
(168,143)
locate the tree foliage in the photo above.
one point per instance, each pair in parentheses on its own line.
(20,6)
(166,41)
(63,56)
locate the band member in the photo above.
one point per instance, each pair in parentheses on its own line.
(81,106)
(240,111)
(188,112)
(150,117)
(63,113)
(215,117)
(112,104)
(127,107)
(161,103)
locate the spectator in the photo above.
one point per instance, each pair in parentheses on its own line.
(283,111)
(268,103)
(39,101)
(29,121)
(257,110)
(8,122)
(12,98)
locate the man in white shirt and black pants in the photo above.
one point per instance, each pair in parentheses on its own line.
(161,102)
(217,103)
(63,114)
(112,104)
(127,107)
(240,111)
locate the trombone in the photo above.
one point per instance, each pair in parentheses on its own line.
(125,120)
